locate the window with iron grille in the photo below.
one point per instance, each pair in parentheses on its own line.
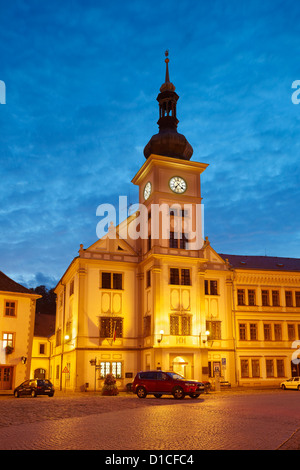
(180,325)
(110,324)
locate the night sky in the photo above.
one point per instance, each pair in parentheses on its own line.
(82,79)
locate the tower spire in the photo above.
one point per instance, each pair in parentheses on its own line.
(168,141)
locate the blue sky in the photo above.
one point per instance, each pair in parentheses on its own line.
(81,84)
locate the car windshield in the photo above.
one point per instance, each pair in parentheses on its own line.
(176,376)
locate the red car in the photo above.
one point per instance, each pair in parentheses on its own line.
(160,383)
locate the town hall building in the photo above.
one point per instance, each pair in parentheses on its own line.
(167,300)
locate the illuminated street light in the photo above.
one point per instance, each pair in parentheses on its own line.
(161,336)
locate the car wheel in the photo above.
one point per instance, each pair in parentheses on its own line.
(33,393)
(178,393)
(16,394)
(141,392)
(158,395)
(194,395)
(283,387)
(298,388)
(51,394)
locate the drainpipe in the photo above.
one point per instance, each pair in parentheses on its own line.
(234,326)
(62,337)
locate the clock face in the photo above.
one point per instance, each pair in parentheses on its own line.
(147,190)
(177,184)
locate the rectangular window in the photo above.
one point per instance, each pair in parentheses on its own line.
(280,368)
(42,348)
(211,287)
(241,296)
(180,325)
(288,298)
(112,281)
(185,277)
(177,241)
(270,367)
(10,309)
(147,325)
(275,298)
(277,332)
(71,290)
(291,332)
(114,368)
(255,368)
(214,328)
(174,276)
(180,277)
(251,297)
(297,299)
(149,242)
(265,298)
(244,368)
(148,278)
(111,325)
(253,331)
(58,337)
(242,331)
(8,340)
(267,332)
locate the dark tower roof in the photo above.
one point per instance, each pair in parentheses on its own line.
(168,142)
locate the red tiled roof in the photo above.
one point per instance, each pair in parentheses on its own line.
(263,262)
(8,285)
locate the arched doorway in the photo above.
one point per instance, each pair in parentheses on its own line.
(39,374)
(179,366)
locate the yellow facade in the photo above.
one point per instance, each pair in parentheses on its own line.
(17,315)
(145,301)
(131,303)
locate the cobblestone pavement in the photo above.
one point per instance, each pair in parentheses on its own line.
(230,419)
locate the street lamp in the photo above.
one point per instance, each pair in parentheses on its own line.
(159,340)
(205,335)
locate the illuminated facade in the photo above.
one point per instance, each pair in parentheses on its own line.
(17,314)
(127,304)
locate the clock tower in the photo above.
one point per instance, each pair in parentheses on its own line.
(168,179)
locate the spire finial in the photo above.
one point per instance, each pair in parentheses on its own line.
(167,60)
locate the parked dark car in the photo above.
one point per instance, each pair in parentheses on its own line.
(34,388)
(160,383)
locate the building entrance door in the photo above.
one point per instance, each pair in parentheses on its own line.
(182,366)
(6,374)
